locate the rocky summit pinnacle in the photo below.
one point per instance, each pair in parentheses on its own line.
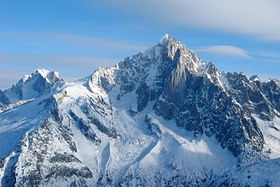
(159,118)
(166,38)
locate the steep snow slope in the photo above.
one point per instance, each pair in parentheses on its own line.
(160,118)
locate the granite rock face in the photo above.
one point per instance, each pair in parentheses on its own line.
(191,92)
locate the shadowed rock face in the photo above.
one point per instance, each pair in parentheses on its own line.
(255,96)
(4,100)
(204,108)
(271,90)
(191,92)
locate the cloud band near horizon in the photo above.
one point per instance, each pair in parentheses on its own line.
(256,18)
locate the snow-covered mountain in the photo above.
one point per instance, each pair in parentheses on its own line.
(160,118)
(38,83)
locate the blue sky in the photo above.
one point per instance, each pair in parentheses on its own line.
(74,37)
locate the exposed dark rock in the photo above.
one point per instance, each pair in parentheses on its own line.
(109,132)
(9,177)
(142,96)
(2,162)
(85,128)
(3,99)
(64,158)
(66,172)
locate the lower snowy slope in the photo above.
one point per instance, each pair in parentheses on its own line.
(76,146)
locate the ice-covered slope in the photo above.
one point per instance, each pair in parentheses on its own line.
(160,118)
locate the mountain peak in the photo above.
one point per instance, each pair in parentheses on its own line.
(176,49)
(172,44)
(43,72)
(49,76)
(39,82)
(167,38)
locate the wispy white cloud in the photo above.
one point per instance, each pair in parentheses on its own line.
(267,56)
(268,60)
(90,41)
(51,60)
(100,42)
(224,50)
(50,51)
(13,66)
(258,18)
(271,54)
